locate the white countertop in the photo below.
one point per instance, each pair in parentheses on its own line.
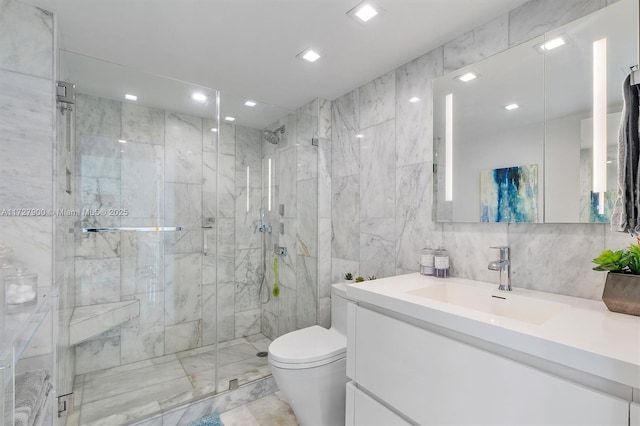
(585,336)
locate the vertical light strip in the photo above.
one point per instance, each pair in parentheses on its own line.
(248,189)
(600,120)
(448,139)
(269,187)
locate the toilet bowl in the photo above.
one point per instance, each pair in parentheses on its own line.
(309,367)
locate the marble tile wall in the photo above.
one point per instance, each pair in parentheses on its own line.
(302,183)
(29,161)
(379,228)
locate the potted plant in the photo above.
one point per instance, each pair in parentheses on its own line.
(359,279)
(348,277)
(622,286)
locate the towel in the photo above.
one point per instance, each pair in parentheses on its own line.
(32,389)
(626,211)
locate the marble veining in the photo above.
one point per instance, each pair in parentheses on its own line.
(377,247)
(377,100)
(182,299)
(98,117)
(183,148)
(307,228)
(26,39)
(142,124)
(306,292)
(345,147)
(377,171)
(414,119)
(247,279)
(479,43)
(413,226)
(345,240)
(536,17)
(469,251)
(209,315)
(26,172)
(142,171)
(97,281)
(183,336)
(578,245)
(286,180)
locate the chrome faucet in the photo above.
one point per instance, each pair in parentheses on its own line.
(503,265)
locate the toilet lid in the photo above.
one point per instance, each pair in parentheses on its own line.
(308,345)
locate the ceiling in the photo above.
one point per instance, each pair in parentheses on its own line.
(247,48)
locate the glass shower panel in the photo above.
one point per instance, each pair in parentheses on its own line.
(145,178)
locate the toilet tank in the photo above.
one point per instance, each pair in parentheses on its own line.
(339,308)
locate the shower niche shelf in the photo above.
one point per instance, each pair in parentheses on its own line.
(93,320)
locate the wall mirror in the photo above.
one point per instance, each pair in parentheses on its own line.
(515,134)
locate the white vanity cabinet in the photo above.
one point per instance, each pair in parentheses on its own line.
(421,375)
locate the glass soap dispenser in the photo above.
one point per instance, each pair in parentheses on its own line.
(441,262)
(427,260)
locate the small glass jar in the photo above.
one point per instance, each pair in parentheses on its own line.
(441,263)
(20,289)
(426,261)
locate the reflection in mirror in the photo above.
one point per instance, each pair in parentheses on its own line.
(583,91)
(488,129)
(534,161)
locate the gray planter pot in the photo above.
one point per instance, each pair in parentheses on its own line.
(622,293)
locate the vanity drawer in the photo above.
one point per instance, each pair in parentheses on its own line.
(362,410)
(433,379)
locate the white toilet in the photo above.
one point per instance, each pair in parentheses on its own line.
(310,367)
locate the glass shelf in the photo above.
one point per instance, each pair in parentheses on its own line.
(20,325)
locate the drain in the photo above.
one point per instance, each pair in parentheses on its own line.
(262,354)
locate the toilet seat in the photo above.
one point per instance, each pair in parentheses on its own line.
(307,348)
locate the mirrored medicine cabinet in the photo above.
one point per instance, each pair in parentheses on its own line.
(530,134)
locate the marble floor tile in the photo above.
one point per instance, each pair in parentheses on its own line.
(272,410)
(121,394)
(131,381)
(240,416)
(236,353)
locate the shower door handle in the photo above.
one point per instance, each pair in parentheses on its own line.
(136,229)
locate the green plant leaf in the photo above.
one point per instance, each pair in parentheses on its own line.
(613,261)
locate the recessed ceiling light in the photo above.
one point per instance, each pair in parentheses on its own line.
(511,107)
(414,100)
(553,43)
(250,103)
(122,141)
(467,77)
(309,55)
(199,97)
(131,97)
(213,129)
(359,136)
(365,11)
(228,118)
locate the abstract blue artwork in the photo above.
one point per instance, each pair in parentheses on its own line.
(509,194)
(601,215)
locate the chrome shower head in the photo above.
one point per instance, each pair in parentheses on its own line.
(272,136)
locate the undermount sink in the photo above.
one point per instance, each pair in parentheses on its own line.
(493,302)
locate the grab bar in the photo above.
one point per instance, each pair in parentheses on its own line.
(136,229)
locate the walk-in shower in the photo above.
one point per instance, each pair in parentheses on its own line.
(271,136)
(170,257)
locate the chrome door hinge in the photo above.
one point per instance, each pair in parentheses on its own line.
(65,404)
